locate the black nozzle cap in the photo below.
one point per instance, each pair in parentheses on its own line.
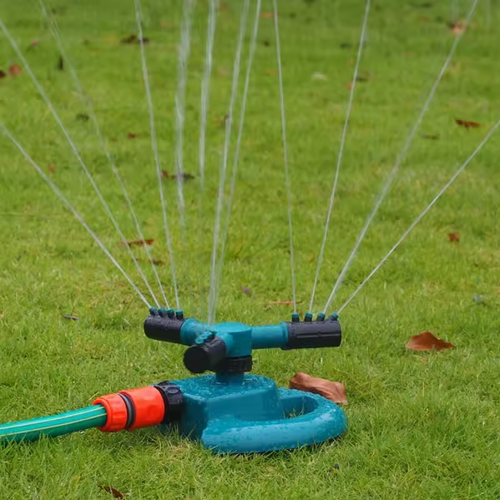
(174,401)
(163,328)
(202,357)
(311,334)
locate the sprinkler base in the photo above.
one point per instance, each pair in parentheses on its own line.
(249,413)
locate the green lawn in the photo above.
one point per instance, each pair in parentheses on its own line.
(419,425)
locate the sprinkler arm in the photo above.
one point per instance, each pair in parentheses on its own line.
(209,345)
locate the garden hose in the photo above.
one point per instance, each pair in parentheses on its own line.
(124,410)
(54,425)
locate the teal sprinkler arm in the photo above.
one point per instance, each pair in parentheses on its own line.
(211,345)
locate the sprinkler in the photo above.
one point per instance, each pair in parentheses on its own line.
(228,411)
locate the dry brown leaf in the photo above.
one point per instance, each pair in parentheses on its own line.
(112,491)
(183,176)
(15,70)
(3,74)
(467,123)
(222,120)
(426,341)
(137,242)
(457,27)
(334,391)
(131,135)
(51,168)
(454,237)
(266,15)
(129,39)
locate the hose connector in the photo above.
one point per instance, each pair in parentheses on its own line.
(144,407)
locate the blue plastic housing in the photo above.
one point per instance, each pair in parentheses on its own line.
(251,414)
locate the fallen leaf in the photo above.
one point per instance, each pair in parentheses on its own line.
(113,491)
(71,317)
(426,341)
(184,176)
(157,262)
(266,15)
(365,76)
(362,78)
(334,391)
(60,64)
(129,39)
(454,237)
(246,290)
(222,121)
(137,242)
(134,39)
(281,303)
(467,124)
(3,74)
(33,44)
(51,168)
(15,70)
(457,27)
(83,117)
(432,137)
(131,135)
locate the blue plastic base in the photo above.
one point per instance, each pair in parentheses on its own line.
(244,414)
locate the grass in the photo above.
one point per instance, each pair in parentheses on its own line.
(420,425)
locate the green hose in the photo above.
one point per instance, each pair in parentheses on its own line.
(55,425)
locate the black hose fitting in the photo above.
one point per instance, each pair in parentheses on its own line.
(174,401)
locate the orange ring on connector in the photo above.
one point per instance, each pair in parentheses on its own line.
(149,406)
(116,411)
